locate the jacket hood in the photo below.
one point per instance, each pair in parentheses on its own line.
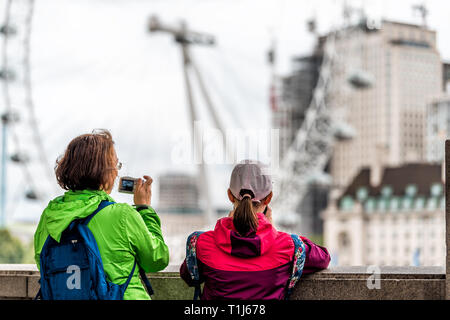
(61,211)
(253,244)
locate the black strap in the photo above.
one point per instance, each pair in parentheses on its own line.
(39,295)
(146,282)
(197,289)
(131,275)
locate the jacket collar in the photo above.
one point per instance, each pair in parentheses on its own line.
(250,245)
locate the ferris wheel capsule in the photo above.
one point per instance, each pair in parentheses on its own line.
(10,117)
(361,79)
(31,195)
(8,30)
(7,75)
(19,157)
(344,131)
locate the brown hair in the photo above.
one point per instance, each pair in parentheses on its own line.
(244,218)
(86,162)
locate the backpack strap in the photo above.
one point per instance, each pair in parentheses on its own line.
(191,261)
(143,277)
(298,264)
(130,275)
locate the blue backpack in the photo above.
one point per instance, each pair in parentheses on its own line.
(73,269)
(296,272)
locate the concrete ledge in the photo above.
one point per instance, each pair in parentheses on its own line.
(357,283)
(344,283)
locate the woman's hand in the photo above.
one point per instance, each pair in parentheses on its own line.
(143,191)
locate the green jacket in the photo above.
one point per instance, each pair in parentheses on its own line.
(122,233)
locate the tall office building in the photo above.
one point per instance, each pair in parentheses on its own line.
(389,116)
(446,77)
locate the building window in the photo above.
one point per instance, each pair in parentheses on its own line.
(394,204)
(346,203)
(406,203)
(362,194)
(436,189)
(442,204)
(411,190)
(432,204)
(382,205)
(386,191)
(369,205)
(419,204)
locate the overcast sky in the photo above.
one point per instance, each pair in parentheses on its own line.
(94,65)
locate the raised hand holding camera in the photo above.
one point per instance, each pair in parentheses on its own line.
(143,191)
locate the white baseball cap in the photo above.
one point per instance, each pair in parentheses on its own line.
(251,177)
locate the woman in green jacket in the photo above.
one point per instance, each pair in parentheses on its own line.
(87,171)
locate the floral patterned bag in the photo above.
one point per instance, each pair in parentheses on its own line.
(191,261)
(299,262)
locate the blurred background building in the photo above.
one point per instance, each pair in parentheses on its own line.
(387,177)
(178,193)
(389,117)
(388,205)
(446,77)
(396,218)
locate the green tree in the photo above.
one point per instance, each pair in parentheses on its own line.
(11,249)
(28,257)
(317,239)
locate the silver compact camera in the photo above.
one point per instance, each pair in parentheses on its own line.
(127,184)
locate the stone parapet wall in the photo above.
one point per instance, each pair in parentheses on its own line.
(20,282)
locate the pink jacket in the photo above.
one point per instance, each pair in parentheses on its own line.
(253,267)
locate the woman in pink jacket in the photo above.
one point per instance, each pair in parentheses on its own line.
(245,257)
